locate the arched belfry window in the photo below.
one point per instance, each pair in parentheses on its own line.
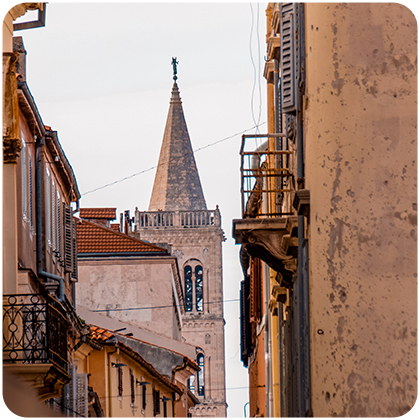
(188,288)
(200,374)
(199,288)
(194,296)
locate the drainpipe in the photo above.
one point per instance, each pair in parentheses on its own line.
(268,346)
(38,203)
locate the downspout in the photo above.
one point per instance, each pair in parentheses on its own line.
(38,203)
(268,346)
(305,397)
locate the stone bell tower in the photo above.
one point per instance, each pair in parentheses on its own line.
(178,215)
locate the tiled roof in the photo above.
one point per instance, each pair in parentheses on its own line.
(109,213)
(115,226)
(99,333)
(93,238)
(102,334)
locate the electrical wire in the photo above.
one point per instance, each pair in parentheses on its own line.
(67,408)
(159,307)
(253,66)
(173,159)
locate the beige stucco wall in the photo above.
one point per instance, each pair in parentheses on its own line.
(360,162)
(119,283)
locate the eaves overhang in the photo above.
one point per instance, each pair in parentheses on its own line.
(121,254)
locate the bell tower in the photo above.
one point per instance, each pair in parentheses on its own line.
(178,215)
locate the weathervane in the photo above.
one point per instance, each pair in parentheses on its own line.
(174,64)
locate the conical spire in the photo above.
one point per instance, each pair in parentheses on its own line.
(177,184)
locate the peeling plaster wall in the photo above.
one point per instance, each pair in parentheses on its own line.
(361,162)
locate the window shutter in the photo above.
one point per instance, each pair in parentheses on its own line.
(120,382)
(144,395)
(68,243)
(24,198)
(31,214)
(245,325)
(82,395)
(288,65)
(74,249)
(156,402)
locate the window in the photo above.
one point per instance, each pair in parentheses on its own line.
(156,402)
(120,383)
(48,204)
(199,288)
(144,397)
(31,213)
(133,393)
(188,288)
(194,296)
(200,374)
(191,383)
(54,216)
(24,182)
(165,409)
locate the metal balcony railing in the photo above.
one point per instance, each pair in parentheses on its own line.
(34,330)
(267,179)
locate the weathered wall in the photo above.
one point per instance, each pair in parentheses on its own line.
(119,283)
(360,162)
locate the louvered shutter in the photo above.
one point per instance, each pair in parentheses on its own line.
(81,395)
(245,325)
(156,402)
(31,215)
(72,391)
(74,249)
(288,51)
(68,242)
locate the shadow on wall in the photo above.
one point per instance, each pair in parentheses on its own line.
(21,399)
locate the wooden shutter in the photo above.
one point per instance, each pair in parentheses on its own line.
(70,242)
(288,44)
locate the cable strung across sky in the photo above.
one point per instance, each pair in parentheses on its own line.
(154,167)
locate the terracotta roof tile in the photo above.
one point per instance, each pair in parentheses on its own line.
(109,213)
(93,238)
(100,333)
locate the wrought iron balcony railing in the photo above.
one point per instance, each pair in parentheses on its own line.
(267,179)
(34,330)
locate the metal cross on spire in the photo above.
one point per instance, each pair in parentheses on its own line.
(174,66)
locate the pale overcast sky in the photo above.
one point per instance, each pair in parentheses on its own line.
(101,75)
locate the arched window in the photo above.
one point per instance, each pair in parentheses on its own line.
(188,288)
(199,288)
(200,374)
(194,296)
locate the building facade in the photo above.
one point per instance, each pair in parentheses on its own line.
(39,239)
(118,375)
(330,207)
(118,271)
(178,215)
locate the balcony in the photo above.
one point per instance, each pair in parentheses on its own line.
(35,341)
(268,228)
(181,219)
